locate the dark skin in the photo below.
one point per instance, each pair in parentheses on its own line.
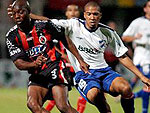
(36,94)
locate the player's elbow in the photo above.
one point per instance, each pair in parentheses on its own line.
(124,38)
(19,64)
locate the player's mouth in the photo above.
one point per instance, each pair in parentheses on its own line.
(93,22)
(18,21)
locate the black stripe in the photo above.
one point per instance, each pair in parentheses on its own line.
(105,26)
(19,38)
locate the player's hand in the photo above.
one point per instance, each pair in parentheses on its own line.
(84,67)
(10,11)
(146,81)
(138,36)
(39,61)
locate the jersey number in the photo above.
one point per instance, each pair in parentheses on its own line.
(54,73)
(82,84)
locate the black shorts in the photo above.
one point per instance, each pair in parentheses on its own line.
(57,76)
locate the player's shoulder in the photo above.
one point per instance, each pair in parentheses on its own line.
(12,31)
(138,20)
(103,26)
(106,30)
(77,20)
(39,23)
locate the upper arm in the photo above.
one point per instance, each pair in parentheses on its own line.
(33,16)
(132,29)
(57,32)
(117,45)
(15,51)
(66,24)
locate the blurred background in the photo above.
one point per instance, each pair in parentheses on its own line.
(122,12)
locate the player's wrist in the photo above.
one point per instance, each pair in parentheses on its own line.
(34,64)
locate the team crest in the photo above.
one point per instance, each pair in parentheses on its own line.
(42,39)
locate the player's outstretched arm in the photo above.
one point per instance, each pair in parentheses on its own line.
(131,38)
(127,62)
(38,17)
(83,65)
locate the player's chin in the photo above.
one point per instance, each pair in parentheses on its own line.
(93,26)
(18,22)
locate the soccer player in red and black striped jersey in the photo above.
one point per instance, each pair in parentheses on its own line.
(31,48)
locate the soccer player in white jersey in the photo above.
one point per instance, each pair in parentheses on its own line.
(91,38)
(138,32)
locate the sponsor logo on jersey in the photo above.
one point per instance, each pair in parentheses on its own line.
(35,51)
(15,51)
(89,50)
(42,39)
(79,37)
(102,43)
(12,49)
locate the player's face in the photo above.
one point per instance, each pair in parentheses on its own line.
(92,16)
(147,9)
(20,14)
(72,11)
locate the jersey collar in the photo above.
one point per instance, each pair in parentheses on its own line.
(92,30)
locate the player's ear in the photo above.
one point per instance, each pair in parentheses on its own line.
(66,13)
(84,15)
(100,15)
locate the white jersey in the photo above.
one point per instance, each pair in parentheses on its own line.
(91,44)
(140,25)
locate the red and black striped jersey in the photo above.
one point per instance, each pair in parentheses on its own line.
(38,41)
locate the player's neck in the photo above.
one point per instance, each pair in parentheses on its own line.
(26,26)
(90,28)
(147,16)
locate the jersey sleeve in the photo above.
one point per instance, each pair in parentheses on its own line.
(57,32)
(14,50)
(117,45)
(67,24)
(132,29)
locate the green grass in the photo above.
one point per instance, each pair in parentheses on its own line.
(14,101)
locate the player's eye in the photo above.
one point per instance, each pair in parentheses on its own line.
(88,13)
(21,11)
(95,14)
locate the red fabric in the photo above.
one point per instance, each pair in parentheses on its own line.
(50,105)
(109,56)
(81,104)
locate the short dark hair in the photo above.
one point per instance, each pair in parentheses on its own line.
(145,4)
(93,4)
(25,4)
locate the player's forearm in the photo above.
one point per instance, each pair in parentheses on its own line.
(72,48)
(24,65)
(63,55)
(128,38)
(33,16)
(127,62)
